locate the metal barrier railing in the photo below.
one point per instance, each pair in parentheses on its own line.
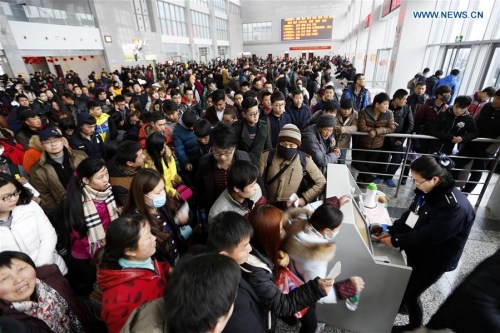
(407,145)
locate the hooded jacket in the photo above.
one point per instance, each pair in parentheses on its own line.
(120,180)
(367,122)
(128,288)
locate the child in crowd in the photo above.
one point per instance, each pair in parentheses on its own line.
(229,116)
(101,119)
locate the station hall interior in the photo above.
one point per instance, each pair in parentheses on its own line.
(389,41)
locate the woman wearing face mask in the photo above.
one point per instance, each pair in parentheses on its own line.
(283,171)
(89,208)
(147,196)
(432,232)
(311,243)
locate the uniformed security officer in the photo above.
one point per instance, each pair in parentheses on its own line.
(432,232)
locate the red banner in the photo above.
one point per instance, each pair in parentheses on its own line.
(310,48)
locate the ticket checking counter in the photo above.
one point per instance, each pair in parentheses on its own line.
(384,270)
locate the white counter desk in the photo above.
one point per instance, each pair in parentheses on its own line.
(385,282)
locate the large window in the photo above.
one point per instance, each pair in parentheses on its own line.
(222,29)
(200,24)
(142,15)
(220,6)
(256,31)
(493,75)
(172,19)
(234,9)
(202,3)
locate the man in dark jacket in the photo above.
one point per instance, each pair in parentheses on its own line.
(488,126)
(454,126)
(418,97)
(474,305)
(215,113)
(278,117)
(403,119)
(431,81)
(211,177)
(229,234)
(318,141)
(129,158)
(253,134)
(298,110)
(357,92)
(87,139)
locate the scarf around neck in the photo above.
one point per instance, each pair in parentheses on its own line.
(96,233)
(51,308)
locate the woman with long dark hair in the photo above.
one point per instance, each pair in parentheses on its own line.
(89,208)
(432,232)
(159,157)
(147,196)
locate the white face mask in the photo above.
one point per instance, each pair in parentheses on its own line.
(329,235)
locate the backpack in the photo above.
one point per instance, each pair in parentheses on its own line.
(413,82)
(13,151)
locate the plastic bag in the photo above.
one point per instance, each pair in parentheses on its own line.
(286,282)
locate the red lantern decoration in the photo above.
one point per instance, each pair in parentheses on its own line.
(50,60)
(79,57)
(56,59)
(64,59)
(91,57)
(84,59)
(71,58)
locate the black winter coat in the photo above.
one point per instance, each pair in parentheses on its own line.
(474,305)
(438,238)
(488,126)
(248,315)
(256,146)
(262,281)
(445,127)
(403,119)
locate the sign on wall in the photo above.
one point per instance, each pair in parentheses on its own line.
(306,28)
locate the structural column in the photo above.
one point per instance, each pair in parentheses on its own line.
(16,64)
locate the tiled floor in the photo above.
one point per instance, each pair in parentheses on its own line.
(483,241)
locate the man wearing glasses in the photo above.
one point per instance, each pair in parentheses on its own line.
(278,117)
(253,134)
(213,168)
(51,174)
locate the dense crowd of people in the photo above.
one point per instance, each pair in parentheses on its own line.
(120,191)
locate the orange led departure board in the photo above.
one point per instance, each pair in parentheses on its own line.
(306,28)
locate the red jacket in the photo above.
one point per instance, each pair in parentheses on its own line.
(126,289)
(147,129)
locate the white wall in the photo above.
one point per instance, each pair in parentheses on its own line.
(38,36)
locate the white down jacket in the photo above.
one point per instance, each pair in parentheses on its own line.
(32,233)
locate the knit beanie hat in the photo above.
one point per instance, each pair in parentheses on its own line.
(290,133)
(326,120)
